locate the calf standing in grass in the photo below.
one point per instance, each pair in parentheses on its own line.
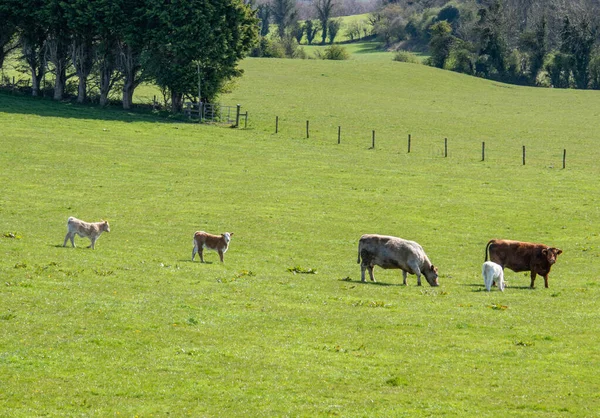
(493,272)
(84,229)
(218,243)
(395,253)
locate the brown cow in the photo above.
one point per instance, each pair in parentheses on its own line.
(218,243)
(523,256)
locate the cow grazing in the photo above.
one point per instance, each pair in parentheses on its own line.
(493,273)
(523,256)
(85,230)
(394,253)
(218,243)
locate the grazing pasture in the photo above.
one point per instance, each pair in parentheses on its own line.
(134,328)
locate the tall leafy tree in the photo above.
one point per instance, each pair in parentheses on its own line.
(284,14)
(133,38)
(578,41)
(535,44)
(263,12)
(79,15)
(324,9)
(440,43)
(8,29)
(33,34)
(58,42)
(107,16)
(212,35)
(492,43)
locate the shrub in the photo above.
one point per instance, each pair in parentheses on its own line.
(405,56)
(333,52)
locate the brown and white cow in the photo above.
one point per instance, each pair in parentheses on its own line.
(218,243)
(523,256)
(85,229)
(394,253)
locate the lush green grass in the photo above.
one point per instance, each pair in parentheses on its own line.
(135,328)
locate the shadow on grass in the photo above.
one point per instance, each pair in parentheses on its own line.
(370,283)
(46,107)
(369,48)
(481,287)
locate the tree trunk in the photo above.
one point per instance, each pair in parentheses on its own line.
(59,85)
(129,65)
(106,73)
(35,83)
(128,88)
(82,90)
(176,102)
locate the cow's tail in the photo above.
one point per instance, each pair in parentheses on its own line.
(359,245)
(486,249)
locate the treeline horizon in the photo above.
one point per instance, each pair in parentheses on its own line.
(188,49)
(551,43)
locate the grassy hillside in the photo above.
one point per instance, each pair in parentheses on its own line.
(134,328)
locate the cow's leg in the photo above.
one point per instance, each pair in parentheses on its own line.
(66,239)
(371,273)
(363,267)
(404,275)
(501,283)
(546,281)
(532,279)
(92,242)
(201,254)
(220,255)
(194,250)
(72,238)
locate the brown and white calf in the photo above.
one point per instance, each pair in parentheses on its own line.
(218,243)
(85,230)
(395,253)
(523,256)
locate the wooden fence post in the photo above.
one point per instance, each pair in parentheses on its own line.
(373,139)
(237,116)
(409,143)
(445,147)
(307,135)
(246,120)
(564,158)
(523,154)
(339,134)
(483,151)
(276,124)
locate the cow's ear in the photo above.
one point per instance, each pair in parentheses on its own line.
(558,251)
(231,234)
(545,251)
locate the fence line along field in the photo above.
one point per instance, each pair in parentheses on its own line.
(134,327)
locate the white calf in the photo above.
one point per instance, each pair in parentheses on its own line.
(84,229)
(493,272)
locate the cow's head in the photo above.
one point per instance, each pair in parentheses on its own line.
(227,236)
(431,275)
(551,253)
(105,226)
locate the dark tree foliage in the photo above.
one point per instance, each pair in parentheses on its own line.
(492,44)
(578,42)
(311,31)
(198,41)
(130,41)
(535,44)
(440,43)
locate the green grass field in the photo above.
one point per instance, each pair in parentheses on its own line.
(134,328)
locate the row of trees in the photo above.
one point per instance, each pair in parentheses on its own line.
(533,42)
(285,14)
(104,42)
